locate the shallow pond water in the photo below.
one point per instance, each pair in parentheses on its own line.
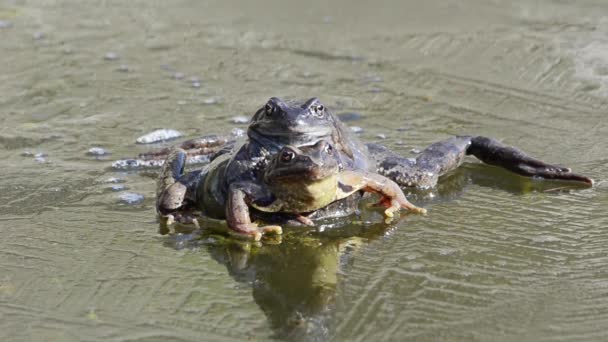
(498,257)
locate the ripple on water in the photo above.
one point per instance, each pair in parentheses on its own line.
(588,49)
(131,198)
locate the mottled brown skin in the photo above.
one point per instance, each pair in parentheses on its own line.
(299,123)
(296,181)
(308,178)
(275,125)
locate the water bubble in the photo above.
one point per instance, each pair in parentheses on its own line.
(158,135)
(123,68)
(97,151)
(237,132)
(131,198)
(118,187)
(210,101)
(111,56)
(356,129)
(240,120)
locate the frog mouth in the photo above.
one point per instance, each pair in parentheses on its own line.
(300,175)
(287,131)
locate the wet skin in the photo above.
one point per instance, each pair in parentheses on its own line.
(279,123)
(308,178)
(296,181)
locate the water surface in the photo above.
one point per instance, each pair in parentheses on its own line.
(498,257)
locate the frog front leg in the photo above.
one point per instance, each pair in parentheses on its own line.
(238,217)
(445,156)
(174,189)
(392,196)
(170,193)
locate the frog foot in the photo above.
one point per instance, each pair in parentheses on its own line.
(493,152)
(305,220)
(253,231)
(172,219)
(392,205)
(548,171)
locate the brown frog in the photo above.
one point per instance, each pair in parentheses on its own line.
(297,180)
(300,123)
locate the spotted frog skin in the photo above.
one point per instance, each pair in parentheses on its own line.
(309,178)
(295,181)
(280,123)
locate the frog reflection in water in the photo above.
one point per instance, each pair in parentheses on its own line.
(279,123)
(294,283)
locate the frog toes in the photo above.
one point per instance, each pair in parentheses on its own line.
(272,230)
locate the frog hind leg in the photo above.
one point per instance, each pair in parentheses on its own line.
(198,151)
(170,191)
(493,152)
(444,156)
(424,170)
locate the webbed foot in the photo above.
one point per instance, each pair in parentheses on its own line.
(253,231)
(169,223)
(395,204)
(492,152)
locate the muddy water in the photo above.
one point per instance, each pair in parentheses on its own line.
(497,258)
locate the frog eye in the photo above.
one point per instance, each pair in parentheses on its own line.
(287,156)
(269,109)
(329,149)
(319,110)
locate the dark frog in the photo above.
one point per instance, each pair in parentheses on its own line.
(301,123)
(296,181)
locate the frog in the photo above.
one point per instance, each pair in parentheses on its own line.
(279,123)
(297,180)
(311,177)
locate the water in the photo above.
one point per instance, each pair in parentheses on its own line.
(498,257)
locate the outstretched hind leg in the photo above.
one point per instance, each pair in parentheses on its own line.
(492,152)
(424,170)
(445,156)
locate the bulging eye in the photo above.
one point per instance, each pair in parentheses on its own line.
(269,109)
(287,156)
(329,149)
(319,110)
